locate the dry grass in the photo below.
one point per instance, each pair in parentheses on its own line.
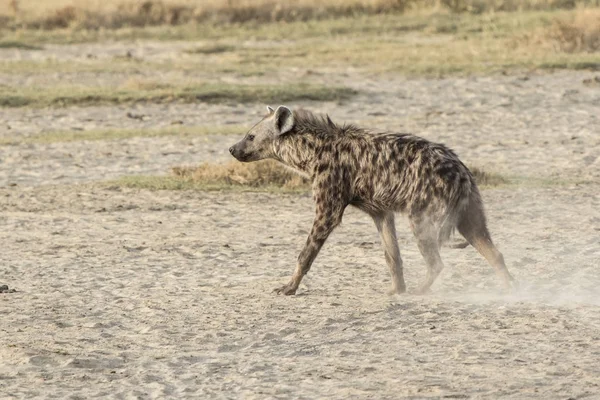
(577,32)
(258,176)
(581,33)
(414,44)
(422,42)
(119,14)
(266,174)
(112,14)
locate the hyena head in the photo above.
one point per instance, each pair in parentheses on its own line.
(257,144)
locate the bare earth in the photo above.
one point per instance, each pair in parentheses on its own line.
(139,294)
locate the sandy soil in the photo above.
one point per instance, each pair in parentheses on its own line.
(543,126)
(138,294)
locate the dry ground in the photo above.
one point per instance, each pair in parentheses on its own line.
(168,294)
(133,293)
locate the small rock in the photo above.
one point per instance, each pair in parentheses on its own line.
(5,289)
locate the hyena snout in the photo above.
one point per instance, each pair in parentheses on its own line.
(239,152)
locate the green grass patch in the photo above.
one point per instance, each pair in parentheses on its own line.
(14,44)
(211,49)
(176,183)
(7,100)
(156,183)
(59,96)
(119,134)
(590,65)
(40,67)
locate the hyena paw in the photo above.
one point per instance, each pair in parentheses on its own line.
(287,290)
(511,285)
(397,290)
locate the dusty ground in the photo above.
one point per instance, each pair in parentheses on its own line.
(168,294)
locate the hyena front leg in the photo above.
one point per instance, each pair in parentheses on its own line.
(387,231)
(329,215)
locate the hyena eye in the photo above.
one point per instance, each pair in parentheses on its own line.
(250,137)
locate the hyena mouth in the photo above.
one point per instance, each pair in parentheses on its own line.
(243,157)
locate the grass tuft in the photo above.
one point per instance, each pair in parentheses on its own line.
(7,100)
(578,32)
(488,179)
(266,173)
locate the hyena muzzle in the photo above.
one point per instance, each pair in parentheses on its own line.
(379,173)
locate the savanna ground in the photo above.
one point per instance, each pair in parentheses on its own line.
(143,262)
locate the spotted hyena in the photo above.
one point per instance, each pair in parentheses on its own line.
(379,173)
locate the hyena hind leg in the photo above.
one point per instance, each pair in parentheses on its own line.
(387,231)
(428,242)
(472,226)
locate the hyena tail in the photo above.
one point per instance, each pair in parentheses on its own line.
(461,199)
(472,225)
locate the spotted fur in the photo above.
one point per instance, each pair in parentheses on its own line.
(380,173)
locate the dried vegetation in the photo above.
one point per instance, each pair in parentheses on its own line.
(265,175)
(581,33)
(112,14)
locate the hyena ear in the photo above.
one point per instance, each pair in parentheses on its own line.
(270,110)
(284,119)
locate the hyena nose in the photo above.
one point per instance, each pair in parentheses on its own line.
(231,149)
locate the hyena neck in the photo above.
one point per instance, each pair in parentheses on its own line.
(296,151)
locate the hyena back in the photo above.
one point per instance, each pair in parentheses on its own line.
(379,173)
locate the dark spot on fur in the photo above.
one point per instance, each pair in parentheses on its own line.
(446,170)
